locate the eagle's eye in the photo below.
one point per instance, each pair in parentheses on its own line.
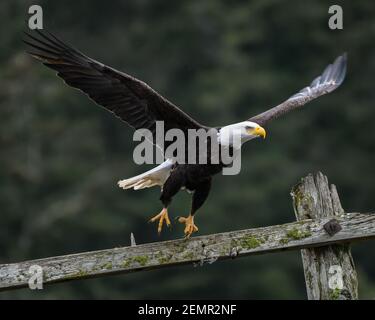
(249,129)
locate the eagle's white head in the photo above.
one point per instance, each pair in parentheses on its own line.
(242,131)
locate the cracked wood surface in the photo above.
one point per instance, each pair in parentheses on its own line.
(329,271)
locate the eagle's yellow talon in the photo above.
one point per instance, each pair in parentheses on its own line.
(190,227)
(162,216)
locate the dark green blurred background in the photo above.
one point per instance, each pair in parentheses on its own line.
(222,62)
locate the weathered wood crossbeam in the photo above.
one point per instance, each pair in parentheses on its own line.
(197,250)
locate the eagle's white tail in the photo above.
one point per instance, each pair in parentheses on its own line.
(154,177)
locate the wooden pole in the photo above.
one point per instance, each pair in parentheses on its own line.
(329,271)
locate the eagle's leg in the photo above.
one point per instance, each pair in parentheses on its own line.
(199,197)
(190,226)
(162,216)
(170,188)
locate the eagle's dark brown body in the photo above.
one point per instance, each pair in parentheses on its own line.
(195,178)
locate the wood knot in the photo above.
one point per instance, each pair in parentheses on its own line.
(332,227)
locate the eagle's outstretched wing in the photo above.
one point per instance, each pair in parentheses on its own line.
(128,98)
(329,80)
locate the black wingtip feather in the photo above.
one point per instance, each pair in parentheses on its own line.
(42,49)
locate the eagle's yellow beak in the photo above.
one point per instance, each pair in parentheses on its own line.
(258,131)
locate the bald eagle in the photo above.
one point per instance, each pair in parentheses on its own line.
(137,104)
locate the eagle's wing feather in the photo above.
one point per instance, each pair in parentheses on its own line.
(127,97)
(329,80)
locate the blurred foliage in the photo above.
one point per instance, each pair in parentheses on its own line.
(222,61)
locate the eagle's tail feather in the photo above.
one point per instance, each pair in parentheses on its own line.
(154,177)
